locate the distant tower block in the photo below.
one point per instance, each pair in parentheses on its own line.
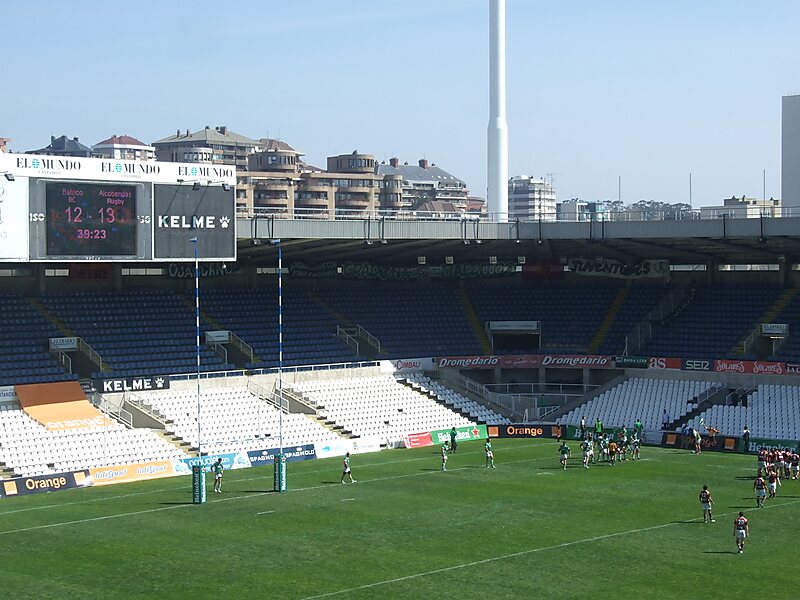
(497,131)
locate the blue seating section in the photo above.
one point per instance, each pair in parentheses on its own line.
(790,350)
(143,332)
(24,346)
(150,332)
(640,300)
(715,320)
(309,330)
(409,319)
(570,315)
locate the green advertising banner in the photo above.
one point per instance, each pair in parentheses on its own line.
(198,485)
(574,433)
(279,473)
(463,434)
(757,443)
(632,362)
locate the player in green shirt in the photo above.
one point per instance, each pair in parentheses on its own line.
(489,454)
(564,452)
(346,469)
(218,469)
(598,429)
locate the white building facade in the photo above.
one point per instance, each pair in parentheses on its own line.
(531,199)
(790,153)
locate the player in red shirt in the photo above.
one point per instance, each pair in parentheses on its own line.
(762,459)
(706,501)
(773,481)
(741,530)
(760,488)
(778,463)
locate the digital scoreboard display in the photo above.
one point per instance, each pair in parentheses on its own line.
(90,219)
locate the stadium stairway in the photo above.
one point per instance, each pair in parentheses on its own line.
(57,323)
(474,321)
(333,427)
(608,321)
(438,400)
(366,350)
(203,315)
(570,406)
(718,397)
(770,316)
(176,441)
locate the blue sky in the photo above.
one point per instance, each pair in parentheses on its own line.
(648,91)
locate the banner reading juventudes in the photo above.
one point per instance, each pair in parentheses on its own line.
(608,267)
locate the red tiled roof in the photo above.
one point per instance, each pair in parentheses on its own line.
(125,140)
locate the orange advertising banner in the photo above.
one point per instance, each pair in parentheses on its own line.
(132,472)
(60,406)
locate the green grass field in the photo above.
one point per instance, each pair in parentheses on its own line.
(406,530)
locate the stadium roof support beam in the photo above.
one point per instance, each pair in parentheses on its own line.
(756,250)
(668,251)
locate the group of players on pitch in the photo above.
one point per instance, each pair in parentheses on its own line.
(603,447)
(772,465)
(450,448)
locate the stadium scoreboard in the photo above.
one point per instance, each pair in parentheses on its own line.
(87,209)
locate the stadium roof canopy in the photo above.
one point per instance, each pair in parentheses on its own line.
(400,242)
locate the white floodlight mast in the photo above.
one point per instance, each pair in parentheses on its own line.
(497,131)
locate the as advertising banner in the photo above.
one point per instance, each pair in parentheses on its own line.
(22,486)
(132,384)
(266,457)
(463,434)
(718,443)
(527,361)
(132,472)
(524,430)
(573,432)
(657,362)
(182,213)
(757,443)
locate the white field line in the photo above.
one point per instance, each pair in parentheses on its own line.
(229,498)
(517,554)
(171,489)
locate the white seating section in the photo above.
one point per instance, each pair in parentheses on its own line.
(640,398)
(379,407)
(30,449)
(772,411)
(454,399)
(233,419)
